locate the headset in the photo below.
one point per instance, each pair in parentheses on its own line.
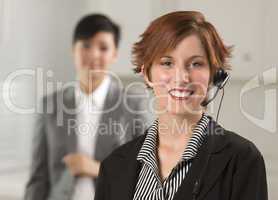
(219,80)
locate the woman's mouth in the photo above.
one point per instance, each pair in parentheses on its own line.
(180,93)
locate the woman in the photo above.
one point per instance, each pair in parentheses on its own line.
(185,154)
(67,155)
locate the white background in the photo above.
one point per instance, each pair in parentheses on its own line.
(37,33)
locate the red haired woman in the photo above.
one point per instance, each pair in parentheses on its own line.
(185,154)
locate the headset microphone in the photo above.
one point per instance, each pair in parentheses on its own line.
(219,81)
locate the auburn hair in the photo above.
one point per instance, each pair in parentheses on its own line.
(165,32)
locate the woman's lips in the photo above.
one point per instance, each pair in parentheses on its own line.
(180,94)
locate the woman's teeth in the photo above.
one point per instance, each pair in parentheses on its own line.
(180,94)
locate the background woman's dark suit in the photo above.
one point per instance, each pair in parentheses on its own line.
(227,167)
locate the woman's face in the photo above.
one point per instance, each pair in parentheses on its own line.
(180,79)
(93,56)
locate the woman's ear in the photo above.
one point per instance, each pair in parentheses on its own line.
(146,76)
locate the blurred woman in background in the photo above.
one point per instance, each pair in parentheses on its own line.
(71,140)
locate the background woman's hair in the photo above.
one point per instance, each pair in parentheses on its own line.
(91,24)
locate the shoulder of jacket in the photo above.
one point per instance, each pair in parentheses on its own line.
(241,145)
(130,149)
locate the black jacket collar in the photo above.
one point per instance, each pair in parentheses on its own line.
(206,167)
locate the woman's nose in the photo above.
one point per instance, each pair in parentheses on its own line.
(94,53)
(181,76)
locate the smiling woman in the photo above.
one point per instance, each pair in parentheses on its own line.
(185,154)
(181,78)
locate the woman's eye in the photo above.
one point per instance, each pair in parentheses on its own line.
(196,64)
(103,48)
(166,63)
(86,45)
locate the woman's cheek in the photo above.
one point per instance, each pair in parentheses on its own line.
(163,80)
(80,61)
(201,80)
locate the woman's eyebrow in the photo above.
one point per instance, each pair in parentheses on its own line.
(191,57)
(195,56)
(188,59)
(102,42)
(166,57)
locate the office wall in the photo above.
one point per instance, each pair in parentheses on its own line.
(36,35)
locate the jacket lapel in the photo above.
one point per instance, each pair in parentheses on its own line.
(65,117)
(212,172)
(131,179)
(185,190)
(207,166)
(219,158)
(104,139)
(126,180)
(69,119)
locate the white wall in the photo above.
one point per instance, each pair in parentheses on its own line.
(34,33)
(37,33)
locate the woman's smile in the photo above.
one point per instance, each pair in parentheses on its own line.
(181,94)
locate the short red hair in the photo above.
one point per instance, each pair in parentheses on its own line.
(165,32)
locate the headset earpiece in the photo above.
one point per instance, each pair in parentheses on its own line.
(220,78)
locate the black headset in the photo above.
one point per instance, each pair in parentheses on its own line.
(219,80)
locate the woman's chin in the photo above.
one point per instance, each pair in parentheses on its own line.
(184,110)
